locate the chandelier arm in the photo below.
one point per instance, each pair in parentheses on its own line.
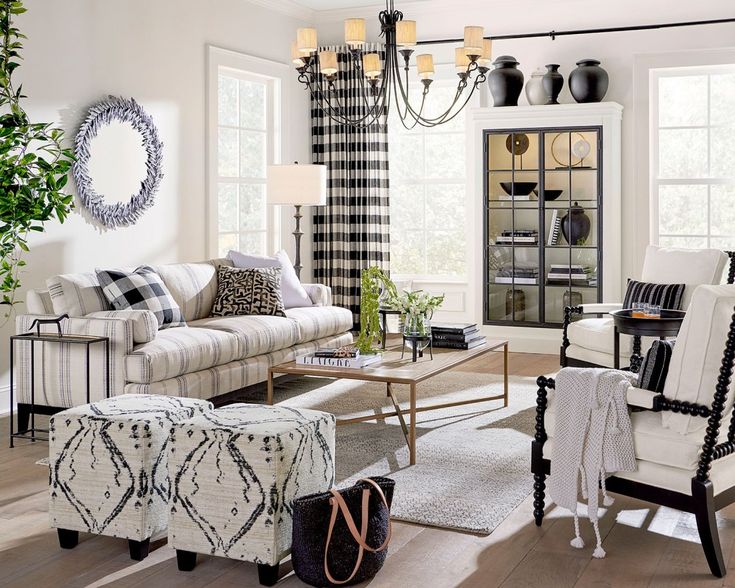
(429,123)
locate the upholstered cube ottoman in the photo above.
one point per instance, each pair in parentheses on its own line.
(108,466)
(235,472)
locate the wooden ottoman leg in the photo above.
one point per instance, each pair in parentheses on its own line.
(68,539)
(139,549)
(268,575)
(186,560)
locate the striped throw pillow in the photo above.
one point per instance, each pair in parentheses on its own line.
(652,375)
(663,295)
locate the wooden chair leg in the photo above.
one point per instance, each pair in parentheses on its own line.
(186,560)
(539,486)
(68,539)
(268,575)
(703,495)
(139,549)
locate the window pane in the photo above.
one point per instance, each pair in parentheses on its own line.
(722,99)
(445,252)
(226,243)
(227,100)
(682,153)
(252,105)
(406,207)
(445,157)
(684,242)
(445,207)
(437,102)
(722,151)
(407,158)
(407,252)
(252,154)
(683,210)
(227,153)
(682,101)
(252,243)
(227,207)
(252,207)
(722,199)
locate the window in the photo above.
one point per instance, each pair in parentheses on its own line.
(244,137)
(427,193)
(693,156)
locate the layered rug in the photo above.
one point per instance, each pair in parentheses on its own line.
(473,461)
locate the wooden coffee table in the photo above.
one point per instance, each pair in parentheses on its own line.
(394,370)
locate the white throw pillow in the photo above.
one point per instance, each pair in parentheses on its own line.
(294,295)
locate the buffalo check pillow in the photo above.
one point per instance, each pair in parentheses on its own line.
(141,289)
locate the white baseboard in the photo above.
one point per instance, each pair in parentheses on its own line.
(526,340)
(5,400)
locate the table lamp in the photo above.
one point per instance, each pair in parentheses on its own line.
(300,185)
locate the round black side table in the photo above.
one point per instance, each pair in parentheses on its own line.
(627,324)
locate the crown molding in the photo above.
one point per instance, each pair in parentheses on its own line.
(287,7)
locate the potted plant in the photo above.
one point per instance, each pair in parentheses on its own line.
(373,281)
(33,165)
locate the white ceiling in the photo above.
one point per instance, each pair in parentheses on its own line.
(334,4)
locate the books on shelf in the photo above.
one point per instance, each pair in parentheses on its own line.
(453,328)
(554,228)
(515,280)
(519,273)
(457,337)
(518,236)
(341,362)
(469,344)
(518,197)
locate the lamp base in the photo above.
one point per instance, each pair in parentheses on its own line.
(297,237)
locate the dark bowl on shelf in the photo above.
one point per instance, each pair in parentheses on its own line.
(550,194)
(518,188)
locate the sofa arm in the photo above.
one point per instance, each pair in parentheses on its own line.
(320,294)
(143,322)
(60,375)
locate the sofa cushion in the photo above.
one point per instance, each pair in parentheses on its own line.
(192,285)
(179,351)
(253,291)
(77,294)
(315,322)
(256,334)
(596,334)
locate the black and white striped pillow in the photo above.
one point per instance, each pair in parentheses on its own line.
(663,295)
(652,375)
(141,289)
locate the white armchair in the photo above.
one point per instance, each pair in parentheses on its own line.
(589,341)
(684,461)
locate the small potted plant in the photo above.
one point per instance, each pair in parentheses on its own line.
(416,308)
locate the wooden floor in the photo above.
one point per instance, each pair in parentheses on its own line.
(646,545)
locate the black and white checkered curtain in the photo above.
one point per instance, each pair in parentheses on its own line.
(351,232)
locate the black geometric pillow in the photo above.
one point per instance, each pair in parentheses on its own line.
(248,291)
(143,289)
(652,375)
(663,295)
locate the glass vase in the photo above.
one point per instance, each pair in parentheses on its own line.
(417,330)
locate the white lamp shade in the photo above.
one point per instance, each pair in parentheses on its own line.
(297,184)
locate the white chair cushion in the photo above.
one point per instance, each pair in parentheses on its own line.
(697,356)
(256,334)
(693,267)
(596,334)
(316,322)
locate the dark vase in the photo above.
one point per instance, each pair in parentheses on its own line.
(572,298)
(576,225)
(505,81)
(588,82)
(515,304)
(553,82)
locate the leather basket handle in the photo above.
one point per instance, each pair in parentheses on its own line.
(338,504)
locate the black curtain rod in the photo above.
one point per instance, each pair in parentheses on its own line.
(554,34)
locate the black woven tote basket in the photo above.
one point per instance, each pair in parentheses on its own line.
(311,516)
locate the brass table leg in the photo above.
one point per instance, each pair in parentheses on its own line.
(412,430)
(505,375)
(269,394)
(389,387)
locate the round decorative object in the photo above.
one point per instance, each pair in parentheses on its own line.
(560,153)
(505,81)
(517,143)
(588,82)
(576,225)
(581,149)
(535,93)
(104,113)
(553,82)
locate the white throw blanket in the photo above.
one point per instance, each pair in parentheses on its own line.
(592,437)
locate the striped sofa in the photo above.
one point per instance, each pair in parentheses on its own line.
(209,357)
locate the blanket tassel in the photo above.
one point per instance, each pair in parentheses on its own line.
(577,542)
(606,499)
(599,552)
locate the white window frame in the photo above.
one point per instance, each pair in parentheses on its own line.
(276,77)
(655,183)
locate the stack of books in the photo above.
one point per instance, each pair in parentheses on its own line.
(519,236)
(520,274)
(344,357)
(456,336)
(519,197)
(561,274)
(554,228)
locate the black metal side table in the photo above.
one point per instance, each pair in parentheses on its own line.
(59,338)
(666,326)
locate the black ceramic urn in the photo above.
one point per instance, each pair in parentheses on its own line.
(576,225)
(505,81)
(553,82)
(588,82)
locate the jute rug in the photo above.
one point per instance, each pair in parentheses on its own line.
(472,463)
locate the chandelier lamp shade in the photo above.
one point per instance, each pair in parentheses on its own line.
(385,83)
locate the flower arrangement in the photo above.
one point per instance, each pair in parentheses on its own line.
(416,302)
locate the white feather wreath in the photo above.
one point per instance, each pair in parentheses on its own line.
(119,214)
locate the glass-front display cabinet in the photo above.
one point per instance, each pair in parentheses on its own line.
(542,223)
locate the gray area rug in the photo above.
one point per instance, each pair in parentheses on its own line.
(472,463)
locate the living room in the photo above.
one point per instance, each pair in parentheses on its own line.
(390,241)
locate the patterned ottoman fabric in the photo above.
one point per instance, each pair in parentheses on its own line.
(235,472)
(108,464)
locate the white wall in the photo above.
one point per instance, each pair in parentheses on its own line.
(618,52)
(78,51)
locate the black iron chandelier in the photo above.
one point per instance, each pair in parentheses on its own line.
(380,83)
